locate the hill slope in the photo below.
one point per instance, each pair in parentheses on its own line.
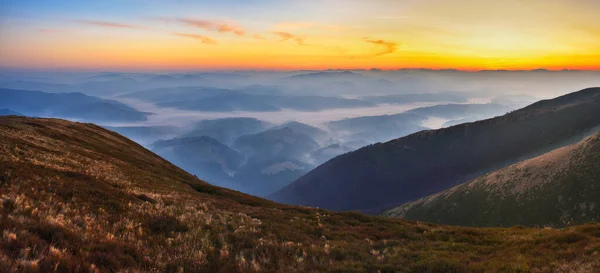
(78,198)
(556,189)
(383,175)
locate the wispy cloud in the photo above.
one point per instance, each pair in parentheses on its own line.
(291,26)
(384,47)
(258,37)
(288,36)
(105,24)
(392,17)
(210,25)
(49,30)
(201,38)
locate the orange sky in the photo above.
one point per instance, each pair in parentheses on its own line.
(386,34)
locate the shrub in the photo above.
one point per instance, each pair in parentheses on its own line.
(146,198)
(569,238)
(165,224)
(439,266)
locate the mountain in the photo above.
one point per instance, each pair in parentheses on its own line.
(322,155)
(263,103)
(224,103)
(458,111)
(96,87)
(203,156)
(226,130)
(263,176)
(374,129)
(314,133)
(278,143)
(146,135)
(556,189)
(328,75)
(78,198)
(384,175)
(251,98)
(163,78)
(68,105)
(167,94)
(459,121)
(8,112)
(412,98)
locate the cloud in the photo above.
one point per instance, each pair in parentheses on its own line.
(105,24)
(385,47)
(201,38)
(49,30)
(392,17)
(212,25)
(258,36)
(288,36)
(293,25)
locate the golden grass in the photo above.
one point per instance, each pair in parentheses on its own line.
(78,198)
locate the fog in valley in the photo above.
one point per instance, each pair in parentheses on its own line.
(257,131)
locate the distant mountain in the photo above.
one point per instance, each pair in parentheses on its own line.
(380,176)
(250,98)
(146,134)
(316,103)
(163,78)
(203,156)
(263,103)
(262,177)
(226,130)
(257,89)
(8,112)
(105,76)
(313,132)
(68,105)
(327,75)
(457,111)
(95,87)
(331,83)
(169,94)
(374,129)
(459,121)
(278,143)
(556,189)
(322,155)
(412,98)
(35,85)
(227,102)
(514,99)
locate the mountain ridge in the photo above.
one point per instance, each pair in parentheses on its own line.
(556,189)
(434,160)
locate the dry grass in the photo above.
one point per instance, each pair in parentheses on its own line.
(78,198)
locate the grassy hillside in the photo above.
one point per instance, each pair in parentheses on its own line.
(556,189)
(78,198)
(384,175)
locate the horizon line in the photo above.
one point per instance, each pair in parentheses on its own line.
(374,69)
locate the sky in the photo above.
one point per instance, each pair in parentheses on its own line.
(299,34)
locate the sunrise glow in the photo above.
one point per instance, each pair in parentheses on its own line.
(347,34)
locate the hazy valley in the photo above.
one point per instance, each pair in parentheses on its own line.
(82,197)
